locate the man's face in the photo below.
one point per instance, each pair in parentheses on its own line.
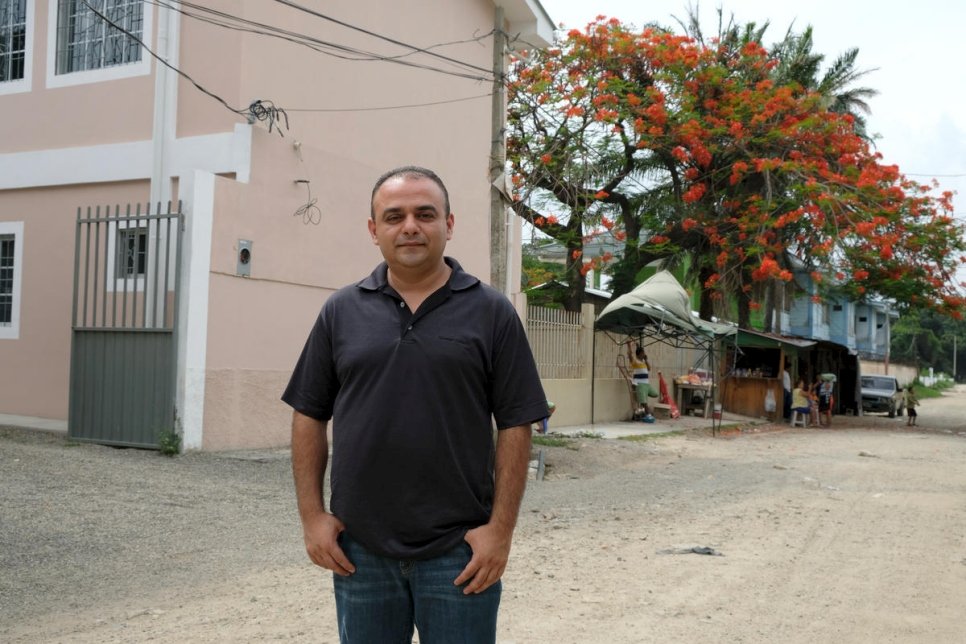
(411,225)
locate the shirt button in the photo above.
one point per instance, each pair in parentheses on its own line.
(402,305)
(410,328)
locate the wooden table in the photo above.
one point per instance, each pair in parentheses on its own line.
(683,405)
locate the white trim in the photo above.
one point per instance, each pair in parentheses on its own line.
(23,85)
(198,190)
(114,72)
(228,152)
(14,228)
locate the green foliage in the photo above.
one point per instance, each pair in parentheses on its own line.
(169,442)
(552,441)
(929,339)
(724,153)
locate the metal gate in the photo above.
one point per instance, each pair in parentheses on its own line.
(125,310)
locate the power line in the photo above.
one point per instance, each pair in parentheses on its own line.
(387,107)
(343,52)
(258,110)
(317,14)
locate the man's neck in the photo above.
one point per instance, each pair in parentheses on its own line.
(414,287)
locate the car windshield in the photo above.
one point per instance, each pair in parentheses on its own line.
(879,383)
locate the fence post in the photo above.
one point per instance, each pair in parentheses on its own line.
(587,341)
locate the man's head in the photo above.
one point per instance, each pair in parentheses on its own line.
(640,353)
(409,172)
(410,220)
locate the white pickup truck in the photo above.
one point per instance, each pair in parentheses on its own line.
(882,394)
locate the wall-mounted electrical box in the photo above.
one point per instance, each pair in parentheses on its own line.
(244,267)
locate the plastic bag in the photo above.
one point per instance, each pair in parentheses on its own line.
(770,401)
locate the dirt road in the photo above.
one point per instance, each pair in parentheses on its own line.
(855,534)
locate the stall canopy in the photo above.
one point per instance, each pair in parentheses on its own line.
(659,309)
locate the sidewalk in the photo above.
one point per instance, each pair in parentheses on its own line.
(619,429)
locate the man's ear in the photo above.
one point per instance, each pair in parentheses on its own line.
(372,231)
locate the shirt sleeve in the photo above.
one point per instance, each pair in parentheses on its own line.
(517,393)
(313,386)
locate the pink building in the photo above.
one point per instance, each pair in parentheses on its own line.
(271,222)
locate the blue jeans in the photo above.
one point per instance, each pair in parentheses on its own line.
(385,598)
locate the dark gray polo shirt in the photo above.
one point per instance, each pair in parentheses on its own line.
(413,399)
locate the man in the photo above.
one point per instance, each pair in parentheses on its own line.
(414,364)
(786,392)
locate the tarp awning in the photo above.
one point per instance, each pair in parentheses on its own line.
(659,307)
(750,338)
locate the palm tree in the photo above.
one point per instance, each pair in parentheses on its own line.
(798,63)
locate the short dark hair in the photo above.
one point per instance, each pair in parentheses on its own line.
(408,172)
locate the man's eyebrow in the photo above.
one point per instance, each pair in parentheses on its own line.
(421,208)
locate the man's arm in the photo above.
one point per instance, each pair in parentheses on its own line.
(310,457)
(491,542)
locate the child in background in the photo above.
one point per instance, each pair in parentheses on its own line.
(825,402)
(911,402)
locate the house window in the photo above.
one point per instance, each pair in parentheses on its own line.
(16,40)
(13,39)
(85,41)
(132,246)
(11,240)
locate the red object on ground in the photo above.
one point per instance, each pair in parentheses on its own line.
(665,398)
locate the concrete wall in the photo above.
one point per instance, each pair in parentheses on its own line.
(905,374)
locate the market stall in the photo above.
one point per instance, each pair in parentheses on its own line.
(659,310)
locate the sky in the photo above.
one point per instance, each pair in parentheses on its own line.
(916,50)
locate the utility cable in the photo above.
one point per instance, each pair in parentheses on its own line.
(317,14)
(258,110)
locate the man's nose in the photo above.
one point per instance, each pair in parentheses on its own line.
(410,223)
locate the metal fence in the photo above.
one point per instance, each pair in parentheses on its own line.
(556,338)
(123,343)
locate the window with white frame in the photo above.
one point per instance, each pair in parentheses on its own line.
(11,240)
(16,34)
(132,250)
(86,41)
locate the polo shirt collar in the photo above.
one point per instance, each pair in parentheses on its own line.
(459,280)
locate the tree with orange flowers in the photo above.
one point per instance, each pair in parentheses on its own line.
(683,149)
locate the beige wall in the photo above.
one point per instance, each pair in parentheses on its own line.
(255,326)
(34,368)
(905,374)
(78,115)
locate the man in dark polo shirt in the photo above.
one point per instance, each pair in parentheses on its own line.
(414,365)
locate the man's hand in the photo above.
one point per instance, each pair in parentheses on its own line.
(491,551)
(321,535)
(320,529)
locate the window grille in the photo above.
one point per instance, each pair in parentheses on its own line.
(13,39)
(132,248)
(7,247)
(85,41)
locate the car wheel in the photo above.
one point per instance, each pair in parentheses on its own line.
(892,412)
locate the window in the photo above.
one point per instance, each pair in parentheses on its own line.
(11,240)
(83,47)
(13,39)
(86,41)
(132,246)
(15,36)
